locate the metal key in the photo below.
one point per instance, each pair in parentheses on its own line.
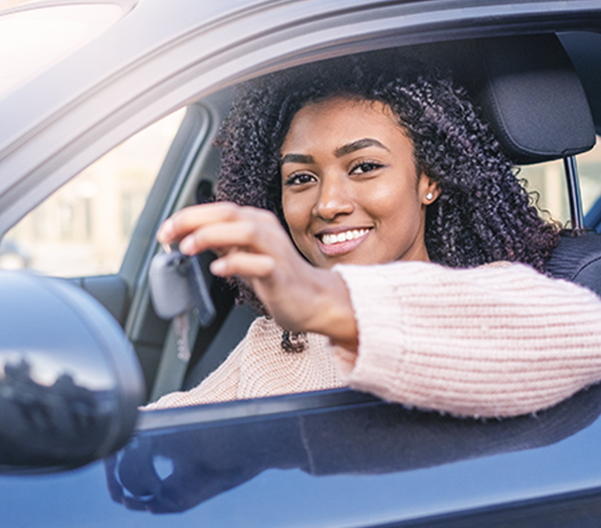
(182,330)
(176,286)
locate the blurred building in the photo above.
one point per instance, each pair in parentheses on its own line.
(85,227)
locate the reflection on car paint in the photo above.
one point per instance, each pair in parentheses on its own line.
(175,471)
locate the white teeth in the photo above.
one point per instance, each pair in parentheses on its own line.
(332,238)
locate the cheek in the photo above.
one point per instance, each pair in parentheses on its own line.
(396,200)
(297,212)
(298,216)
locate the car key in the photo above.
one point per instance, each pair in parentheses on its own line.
(182,330)
(176,286)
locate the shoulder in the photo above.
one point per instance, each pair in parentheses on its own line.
(264,327)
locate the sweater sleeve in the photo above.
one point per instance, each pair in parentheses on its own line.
(484,342)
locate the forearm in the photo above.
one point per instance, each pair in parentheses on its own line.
(481,342)
(333,311)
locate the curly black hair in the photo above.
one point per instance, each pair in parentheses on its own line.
(483,214)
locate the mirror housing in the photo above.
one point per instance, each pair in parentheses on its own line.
(70,383)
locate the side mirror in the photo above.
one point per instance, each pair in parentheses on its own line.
(70,384)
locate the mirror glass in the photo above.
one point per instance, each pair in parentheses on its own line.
(63,365)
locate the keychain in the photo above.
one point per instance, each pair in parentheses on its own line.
(176,286)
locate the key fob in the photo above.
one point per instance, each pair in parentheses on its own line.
(177,285)
(201,298)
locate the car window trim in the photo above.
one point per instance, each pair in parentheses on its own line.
(256,408)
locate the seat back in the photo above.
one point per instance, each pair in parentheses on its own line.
(531,95)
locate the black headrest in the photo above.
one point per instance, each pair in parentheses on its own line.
(530,93)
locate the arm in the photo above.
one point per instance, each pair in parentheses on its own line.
(489,341)
(252,244)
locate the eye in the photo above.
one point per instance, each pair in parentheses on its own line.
(365,167)
(298,178)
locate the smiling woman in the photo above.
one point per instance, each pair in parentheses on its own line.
(349,178)
(349,200)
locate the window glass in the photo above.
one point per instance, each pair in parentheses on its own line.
(84,228)
(548,182)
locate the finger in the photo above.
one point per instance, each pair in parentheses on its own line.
(250,235)
(184,221)
(247,265)
(187,220)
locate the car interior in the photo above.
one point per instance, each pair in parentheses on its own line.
(533,97)
(539,94)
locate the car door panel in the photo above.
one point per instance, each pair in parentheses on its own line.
(111,291)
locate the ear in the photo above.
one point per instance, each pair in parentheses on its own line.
(428,190)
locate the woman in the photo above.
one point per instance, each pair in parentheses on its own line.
(359,176)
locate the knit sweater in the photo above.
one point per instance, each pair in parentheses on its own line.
(488,341)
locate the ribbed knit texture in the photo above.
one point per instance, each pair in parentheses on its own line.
(489,341)
(259,367)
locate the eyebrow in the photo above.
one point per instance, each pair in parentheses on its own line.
(358,145)
(297,158)
(339,152)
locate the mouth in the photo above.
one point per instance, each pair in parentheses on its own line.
(332,244)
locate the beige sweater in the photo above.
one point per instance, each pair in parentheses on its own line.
(488,341)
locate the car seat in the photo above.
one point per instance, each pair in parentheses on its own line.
(531,95)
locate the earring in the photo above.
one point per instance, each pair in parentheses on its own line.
(429,196)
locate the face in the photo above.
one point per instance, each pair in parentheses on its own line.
(350,190)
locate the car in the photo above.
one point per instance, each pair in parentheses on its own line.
(83,348)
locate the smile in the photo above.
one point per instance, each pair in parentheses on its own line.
(335,238)
(333,244)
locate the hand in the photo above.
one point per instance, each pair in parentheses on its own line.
(252,244)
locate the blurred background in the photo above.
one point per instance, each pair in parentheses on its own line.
(84,228)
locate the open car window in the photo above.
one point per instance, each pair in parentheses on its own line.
(546,183)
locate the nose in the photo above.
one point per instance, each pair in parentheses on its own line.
(335,197)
